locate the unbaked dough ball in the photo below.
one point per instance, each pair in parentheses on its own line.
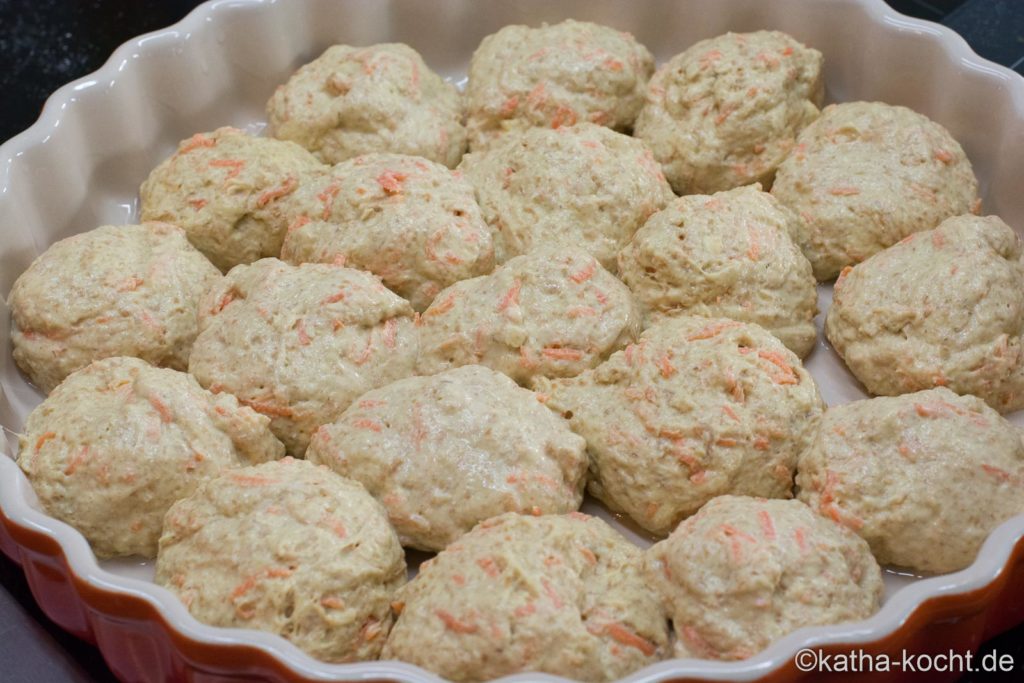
(445,452)
(744,572)
(727,111)
(119,441)
(698,408)
(867,174)
(413,222)
(299,343)
(552,313)
(944,307)
(118,290)
(553,76)
(556,594)
(382,98)
(290,548)
(225,189)
(729,255)
(582,186)
(923,477)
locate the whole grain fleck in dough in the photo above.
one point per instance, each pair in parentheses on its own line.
(727,111)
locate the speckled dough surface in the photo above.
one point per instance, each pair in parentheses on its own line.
(552,313)
(290,548)
(730,255)
(584,186)
(698,408)
(225,189)
(561,594)
(299,343)
(118,290)
(356,100)
(923,477)
(867,174)
(445,452)
(744,572)
(119,441)
(943,308)
(726,112)
(554,75)
(411,221)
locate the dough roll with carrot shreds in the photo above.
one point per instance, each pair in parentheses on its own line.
(727,111)
(944,307)
(300,343)
(119,441)
(442,453)
(744,572)
(118,290)
(583,186)
(552,76)
(924,478)
(867,174)
(697,408)
(290,548)
(558,594)
(412,222)
(729,254)
(358,100)
(553,313)
(225,189)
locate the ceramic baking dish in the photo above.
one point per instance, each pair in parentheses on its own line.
(80,166)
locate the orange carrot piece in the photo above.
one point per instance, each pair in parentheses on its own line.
(712,330)
(289,185)
(454,624)
(584,274)
(844,191)
(511,297)
(43,439)
(560,353)
(195,142)
(372,425)
(623,635)
(165,413)
(391,182)
(77,460)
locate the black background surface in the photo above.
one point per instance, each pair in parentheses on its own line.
(46,43)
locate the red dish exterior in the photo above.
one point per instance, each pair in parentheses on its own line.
(139,645)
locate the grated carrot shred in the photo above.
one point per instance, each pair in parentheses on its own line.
(511,297)
(289,185)
(584,274)
(560,353)
(454,624)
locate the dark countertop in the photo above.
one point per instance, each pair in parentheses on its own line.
(46,43)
